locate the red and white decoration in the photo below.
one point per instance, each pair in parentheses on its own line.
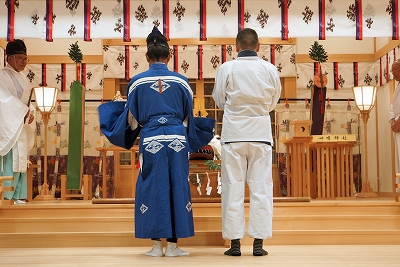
(201,19)
(89,19)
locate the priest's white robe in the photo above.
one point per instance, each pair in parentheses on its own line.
(16,135)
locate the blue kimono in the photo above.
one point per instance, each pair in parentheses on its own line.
(159,106)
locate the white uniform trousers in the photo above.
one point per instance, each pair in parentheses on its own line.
(249,162)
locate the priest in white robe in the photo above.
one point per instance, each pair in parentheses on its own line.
(16,129)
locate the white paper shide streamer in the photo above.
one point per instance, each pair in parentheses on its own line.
(198,184)
(208,188)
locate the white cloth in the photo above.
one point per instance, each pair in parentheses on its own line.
(247,89)
(14,132)
(252,165)
(394,113)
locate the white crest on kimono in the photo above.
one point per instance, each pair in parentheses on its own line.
(162,120)
(176,145)
(154,147)
(164,86)
(143,208)
(189,206)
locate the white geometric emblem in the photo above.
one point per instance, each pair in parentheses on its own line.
(154,147)
(164,86)
(143,208)
(162,120)
(176,145)
(189,206)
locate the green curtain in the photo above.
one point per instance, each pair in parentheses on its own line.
(75,136)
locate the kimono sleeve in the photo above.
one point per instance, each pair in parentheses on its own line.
(201,132)
(114,124)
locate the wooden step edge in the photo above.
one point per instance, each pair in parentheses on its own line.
(352,231)
(127,239)
(94,232)
(374,232)
(211,216)
(195,200)
(101,240)
(52,219)
(339,217)
(206,205)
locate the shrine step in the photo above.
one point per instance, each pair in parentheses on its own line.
(201,223)
(81,223)
(201,238)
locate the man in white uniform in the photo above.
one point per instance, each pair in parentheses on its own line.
(15,117)
(247,89)
(394,112)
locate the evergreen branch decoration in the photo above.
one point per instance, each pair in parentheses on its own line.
(75,53)
(318,53)
(212,165)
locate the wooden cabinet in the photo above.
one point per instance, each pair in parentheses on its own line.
(124,175)
(111,86)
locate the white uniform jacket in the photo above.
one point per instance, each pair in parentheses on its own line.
(247,92)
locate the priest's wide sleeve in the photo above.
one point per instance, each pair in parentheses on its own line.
(114,124)
(201,132)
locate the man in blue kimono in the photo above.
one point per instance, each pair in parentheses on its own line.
(159,105)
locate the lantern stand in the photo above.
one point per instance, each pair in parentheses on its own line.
(364,96)
(46,98)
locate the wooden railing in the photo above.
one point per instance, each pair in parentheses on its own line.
(5,188)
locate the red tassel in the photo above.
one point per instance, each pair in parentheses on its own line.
(159,86)
(137,166)
(320,95)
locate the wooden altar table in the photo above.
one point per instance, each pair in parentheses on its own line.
(320,168)
(332,169)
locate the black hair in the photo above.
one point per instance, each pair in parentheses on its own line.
(157,53)
(247,38)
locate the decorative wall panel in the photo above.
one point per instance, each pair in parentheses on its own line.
(125,19)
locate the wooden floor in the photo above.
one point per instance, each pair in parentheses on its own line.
(284,255)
